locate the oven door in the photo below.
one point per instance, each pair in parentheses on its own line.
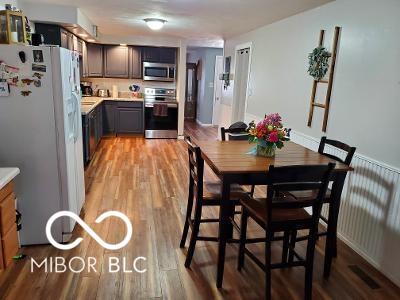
(157,126)
(158,72)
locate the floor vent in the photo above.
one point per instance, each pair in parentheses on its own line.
(364,277)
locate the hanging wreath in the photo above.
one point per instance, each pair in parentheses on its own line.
(318,62)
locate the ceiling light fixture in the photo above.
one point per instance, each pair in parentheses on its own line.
(155,24)
(83,35)
(123,45)
(91,40)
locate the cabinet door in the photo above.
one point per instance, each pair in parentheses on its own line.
(116,61)
(151,54)
(95,60)
(135,70)
(64,39)
(50,32)
(85,69)
(85,139)
(108,117)
(130,120)
(99,112)
(168,55)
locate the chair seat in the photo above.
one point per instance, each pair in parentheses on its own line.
(213,191)
(309,195)
(258,211)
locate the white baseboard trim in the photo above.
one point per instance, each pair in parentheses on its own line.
(204,125)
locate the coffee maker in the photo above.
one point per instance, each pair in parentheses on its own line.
(86,88)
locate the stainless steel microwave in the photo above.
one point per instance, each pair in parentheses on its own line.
(158,71)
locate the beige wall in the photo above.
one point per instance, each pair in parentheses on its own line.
(365,103)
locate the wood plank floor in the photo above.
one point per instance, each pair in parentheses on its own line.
(147,180)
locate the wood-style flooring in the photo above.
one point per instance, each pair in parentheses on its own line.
(147,180)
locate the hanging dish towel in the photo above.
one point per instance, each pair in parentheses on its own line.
(160,110)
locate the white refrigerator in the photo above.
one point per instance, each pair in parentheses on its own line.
(41,133)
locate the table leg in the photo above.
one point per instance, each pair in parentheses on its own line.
(225,229)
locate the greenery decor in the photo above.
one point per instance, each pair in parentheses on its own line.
(269,134)
(318,62)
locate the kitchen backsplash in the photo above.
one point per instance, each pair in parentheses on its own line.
(123,84)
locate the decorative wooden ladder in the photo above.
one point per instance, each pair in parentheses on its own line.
(329,81)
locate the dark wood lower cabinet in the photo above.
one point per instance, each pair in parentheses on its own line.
(110,118)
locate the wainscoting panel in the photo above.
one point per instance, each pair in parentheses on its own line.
(369,220)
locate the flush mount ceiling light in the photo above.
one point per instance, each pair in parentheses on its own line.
(155,24)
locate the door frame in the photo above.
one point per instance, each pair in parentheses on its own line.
(235,96)
(217,82)
(196,88)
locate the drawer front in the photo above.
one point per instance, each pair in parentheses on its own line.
(7,190)
(130,104)
(10,245)
(7,214)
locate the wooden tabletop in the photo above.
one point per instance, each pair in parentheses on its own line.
(231,157)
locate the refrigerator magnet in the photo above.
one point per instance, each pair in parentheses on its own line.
(27,81)
(4,89)
(37,75)
(37,83)
(25,93)
(38,68)
(38,56)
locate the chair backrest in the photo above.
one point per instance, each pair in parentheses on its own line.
(310,178)
(337,144)
(238,127)
(196,169)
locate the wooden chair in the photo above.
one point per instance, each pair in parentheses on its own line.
(281,212)
(201,194)
(334,206)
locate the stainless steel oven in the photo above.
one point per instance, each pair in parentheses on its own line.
(159,72)
(160,113)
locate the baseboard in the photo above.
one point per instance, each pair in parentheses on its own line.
(204,125)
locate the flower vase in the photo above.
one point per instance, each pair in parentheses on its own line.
(266,151)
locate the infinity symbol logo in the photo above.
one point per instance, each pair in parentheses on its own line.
(89,230)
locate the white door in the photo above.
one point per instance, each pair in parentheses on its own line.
(70,99)
(241,79)
(219,69)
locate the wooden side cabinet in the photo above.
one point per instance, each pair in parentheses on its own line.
(8,229)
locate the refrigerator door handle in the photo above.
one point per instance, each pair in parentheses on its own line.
(76,103)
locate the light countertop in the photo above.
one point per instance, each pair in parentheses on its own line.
(6,175)
(87,108)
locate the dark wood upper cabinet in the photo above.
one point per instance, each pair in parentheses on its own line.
(116,61)
(151,54)
(135,62)
(64,39)
(168,55)
(95,60)
(159,55)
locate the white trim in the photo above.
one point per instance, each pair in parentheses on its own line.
(216,84)
(234,100)
(204,125)
(363,157)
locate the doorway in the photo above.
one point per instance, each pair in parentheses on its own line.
(218,84)
(191,91)
(241,77)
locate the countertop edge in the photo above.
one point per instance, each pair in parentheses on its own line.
(84,113)
(7,175)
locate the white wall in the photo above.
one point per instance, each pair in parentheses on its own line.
(4,2)
(365,108)
(366,93)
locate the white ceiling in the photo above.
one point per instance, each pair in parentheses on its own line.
(191,19)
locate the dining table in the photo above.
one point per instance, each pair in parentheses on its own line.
(233,163)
